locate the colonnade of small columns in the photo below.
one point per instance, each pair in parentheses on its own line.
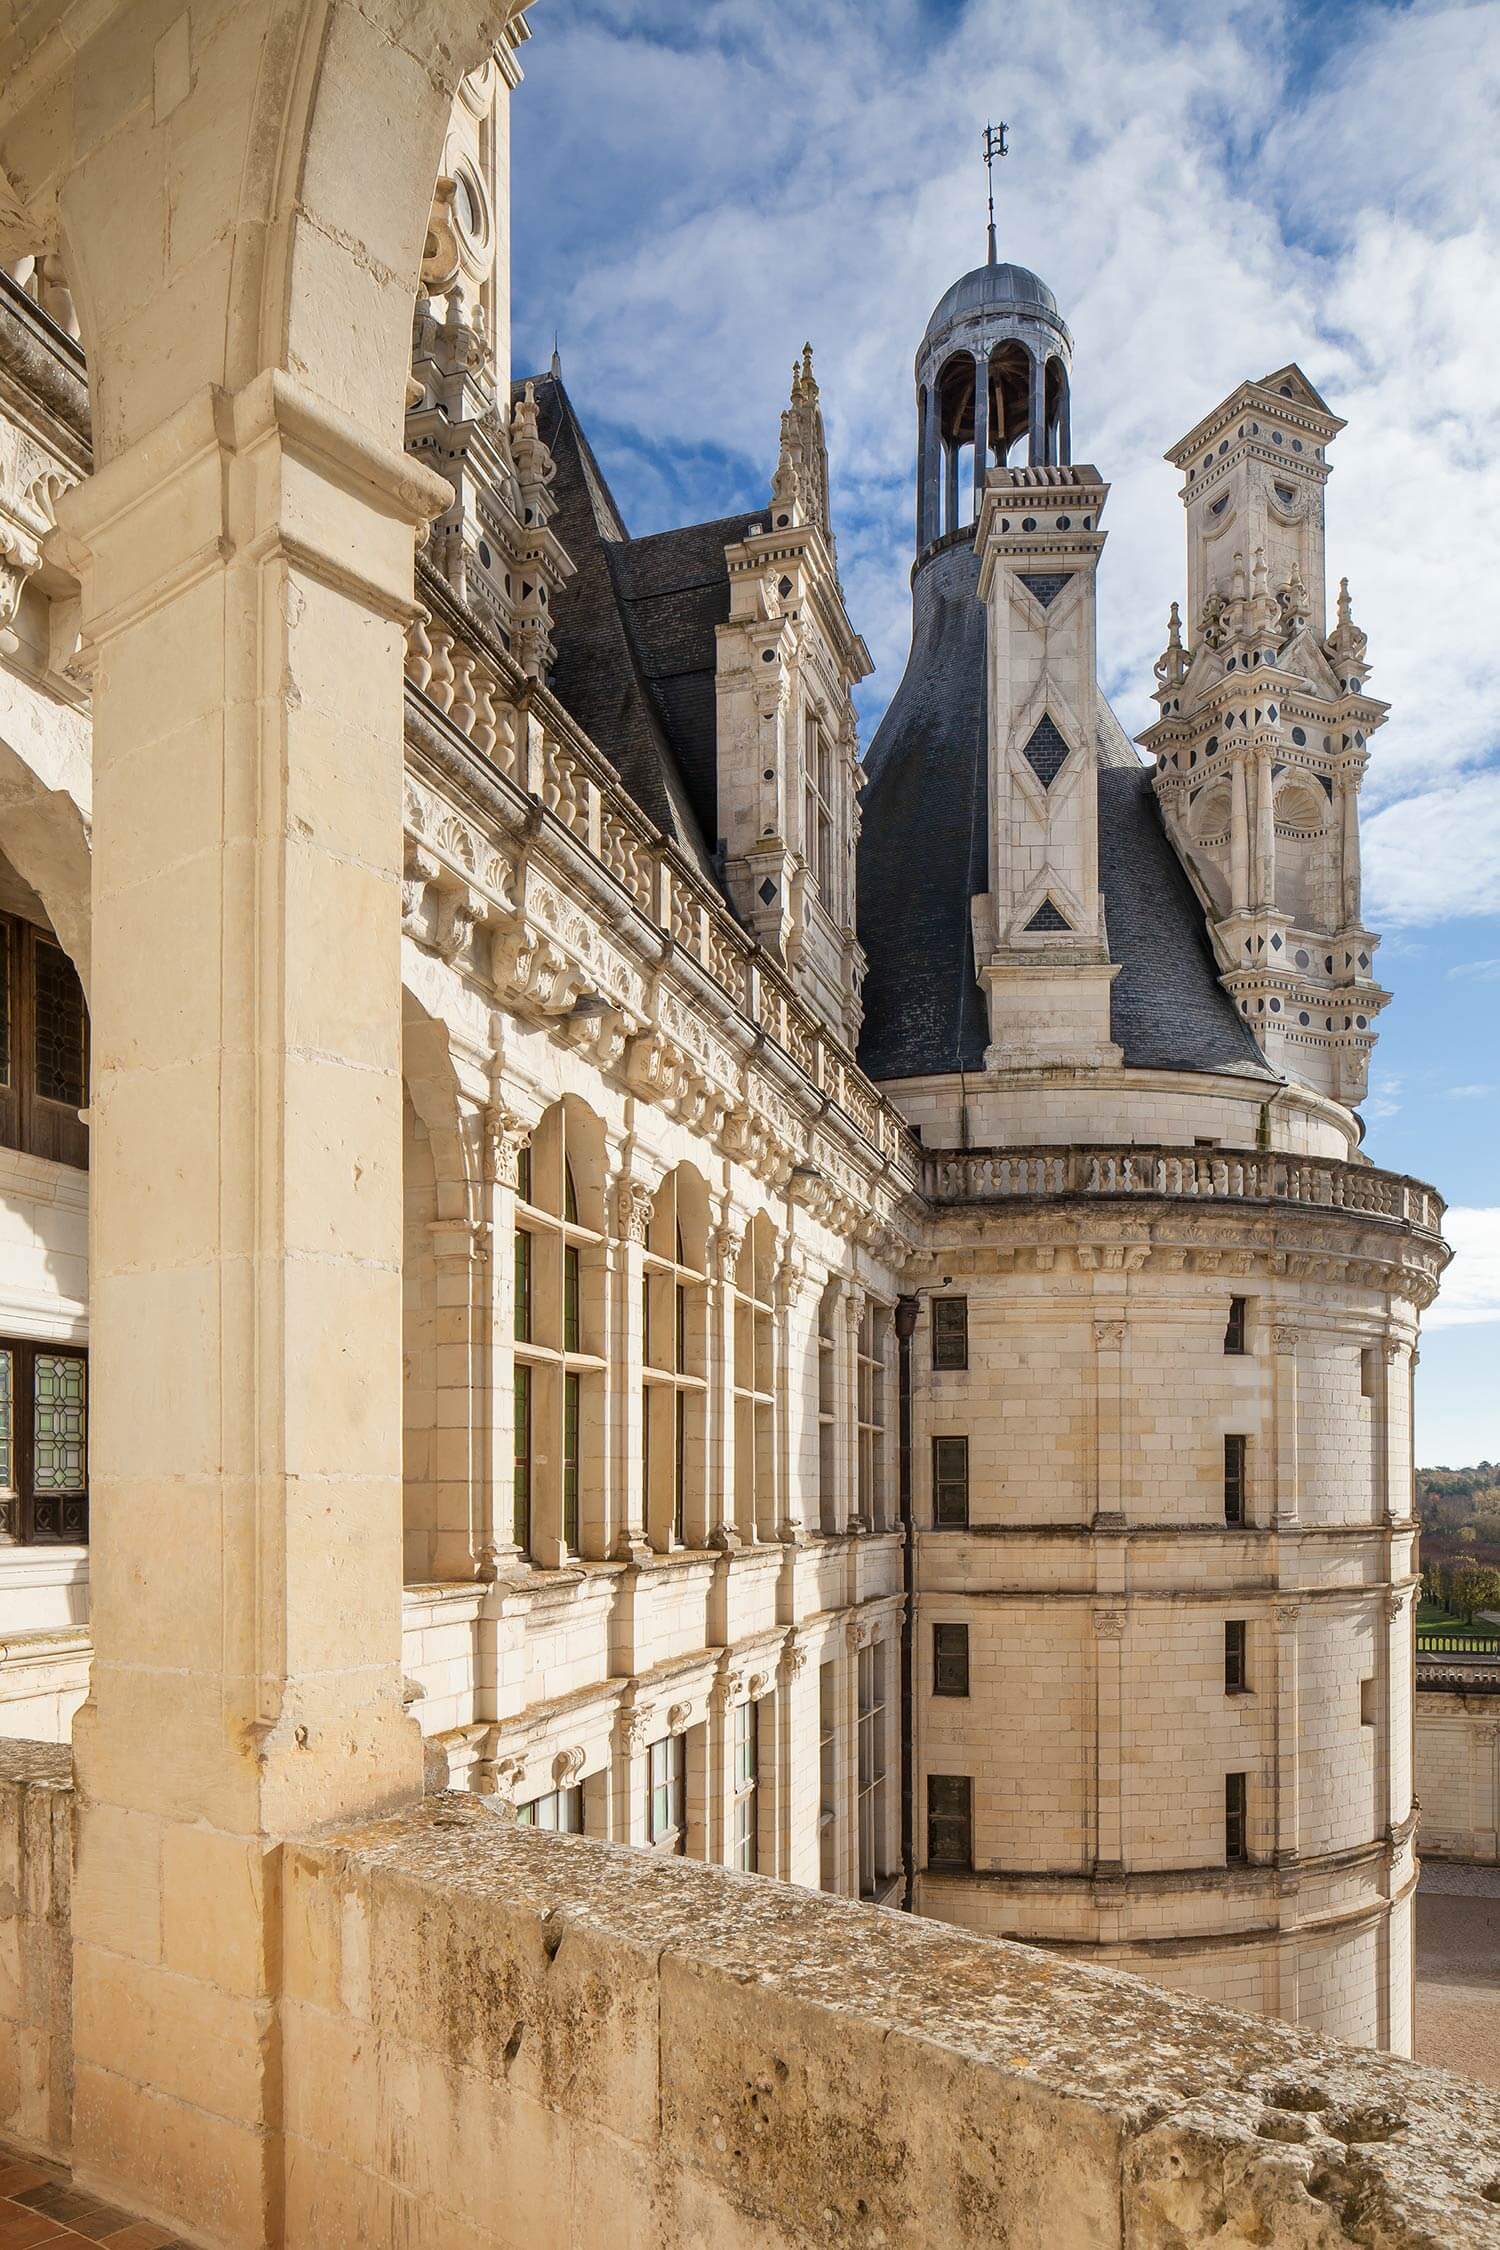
(1048,424)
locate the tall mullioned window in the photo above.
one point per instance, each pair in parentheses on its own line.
(869,1409)
(44,1483)
(828,1775)
(558,1296)
(755,1383)
(666,1794)
(560,1809)
(818,822)
(745,1850)
(674,1345)
(871,1766)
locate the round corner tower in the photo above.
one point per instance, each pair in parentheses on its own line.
(1167,1317)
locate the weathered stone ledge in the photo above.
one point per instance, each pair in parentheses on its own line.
(609,2047)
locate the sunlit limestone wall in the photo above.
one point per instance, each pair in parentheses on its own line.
(1130,1648)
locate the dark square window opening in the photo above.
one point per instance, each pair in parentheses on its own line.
(950,1334)
(1234,1479)
(950,1659)
(1236,1819)
(1235,1326)
(1236,1676)
(950,1820)
(950,1483)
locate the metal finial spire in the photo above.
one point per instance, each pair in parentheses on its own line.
(994,145)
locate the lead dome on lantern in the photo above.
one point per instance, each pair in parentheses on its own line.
(992,288)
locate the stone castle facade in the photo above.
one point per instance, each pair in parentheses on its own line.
(906,1369)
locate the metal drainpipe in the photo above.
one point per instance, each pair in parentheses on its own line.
(906,1321)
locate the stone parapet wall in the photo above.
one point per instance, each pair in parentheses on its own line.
(498,2037)
(36,1960)
(1458,1760)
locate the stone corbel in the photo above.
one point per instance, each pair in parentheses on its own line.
(679,1717)
(567,1766)
(462,909)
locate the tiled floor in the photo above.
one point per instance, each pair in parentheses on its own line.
(39,2204)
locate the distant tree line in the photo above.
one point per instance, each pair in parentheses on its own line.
(1459,1511)
(1462,1588)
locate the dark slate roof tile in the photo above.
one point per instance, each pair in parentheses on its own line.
(924,855)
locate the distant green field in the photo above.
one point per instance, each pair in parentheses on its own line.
(1433,1621)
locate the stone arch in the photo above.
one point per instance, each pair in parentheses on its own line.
(1208,825)
(297,147)
(44,821)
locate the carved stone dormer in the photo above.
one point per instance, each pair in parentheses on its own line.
(787,739)
(1264,731)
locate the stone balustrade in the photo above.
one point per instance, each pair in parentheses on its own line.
(1203,1175)
(463,673)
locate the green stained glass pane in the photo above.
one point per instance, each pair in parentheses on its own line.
(572,1298)
(60,1435)
(522,1523)
(571,1402)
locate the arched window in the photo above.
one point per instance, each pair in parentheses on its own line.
(753,1296)
(673,1361)
(558,1320)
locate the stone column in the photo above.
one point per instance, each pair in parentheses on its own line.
(1064,416)
(1036,443)
(1109,1665)
(1286,1496)
(1286,1825)
(246,572)
(726,1530)
(462,1529)
(1347,799)
(628,1205)
(930,471)
(1264,872)
(950,485)
(794,1332)
(1239,837)
(981,427)
(506,1133)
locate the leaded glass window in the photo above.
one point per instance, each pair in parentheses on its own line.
(59,1032)
(43,1443)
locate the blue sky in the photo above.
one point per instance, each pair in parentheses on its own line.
(701,184)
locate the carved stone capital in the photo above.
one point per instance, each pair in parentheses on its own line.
(724,1247)
(792,1662)
(634,1729)
(505,1135)
(1109,1335)
(725,1691)
(1283,1338)
(1109,1624)
(633,1205)
(1287,1613)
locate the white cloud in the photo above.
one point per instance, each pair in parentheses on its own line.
(1469,1093)
(1482,972)
(1471,1286)
(1209,201)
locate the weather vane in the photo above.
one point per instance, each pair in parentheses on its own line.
(994,145)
